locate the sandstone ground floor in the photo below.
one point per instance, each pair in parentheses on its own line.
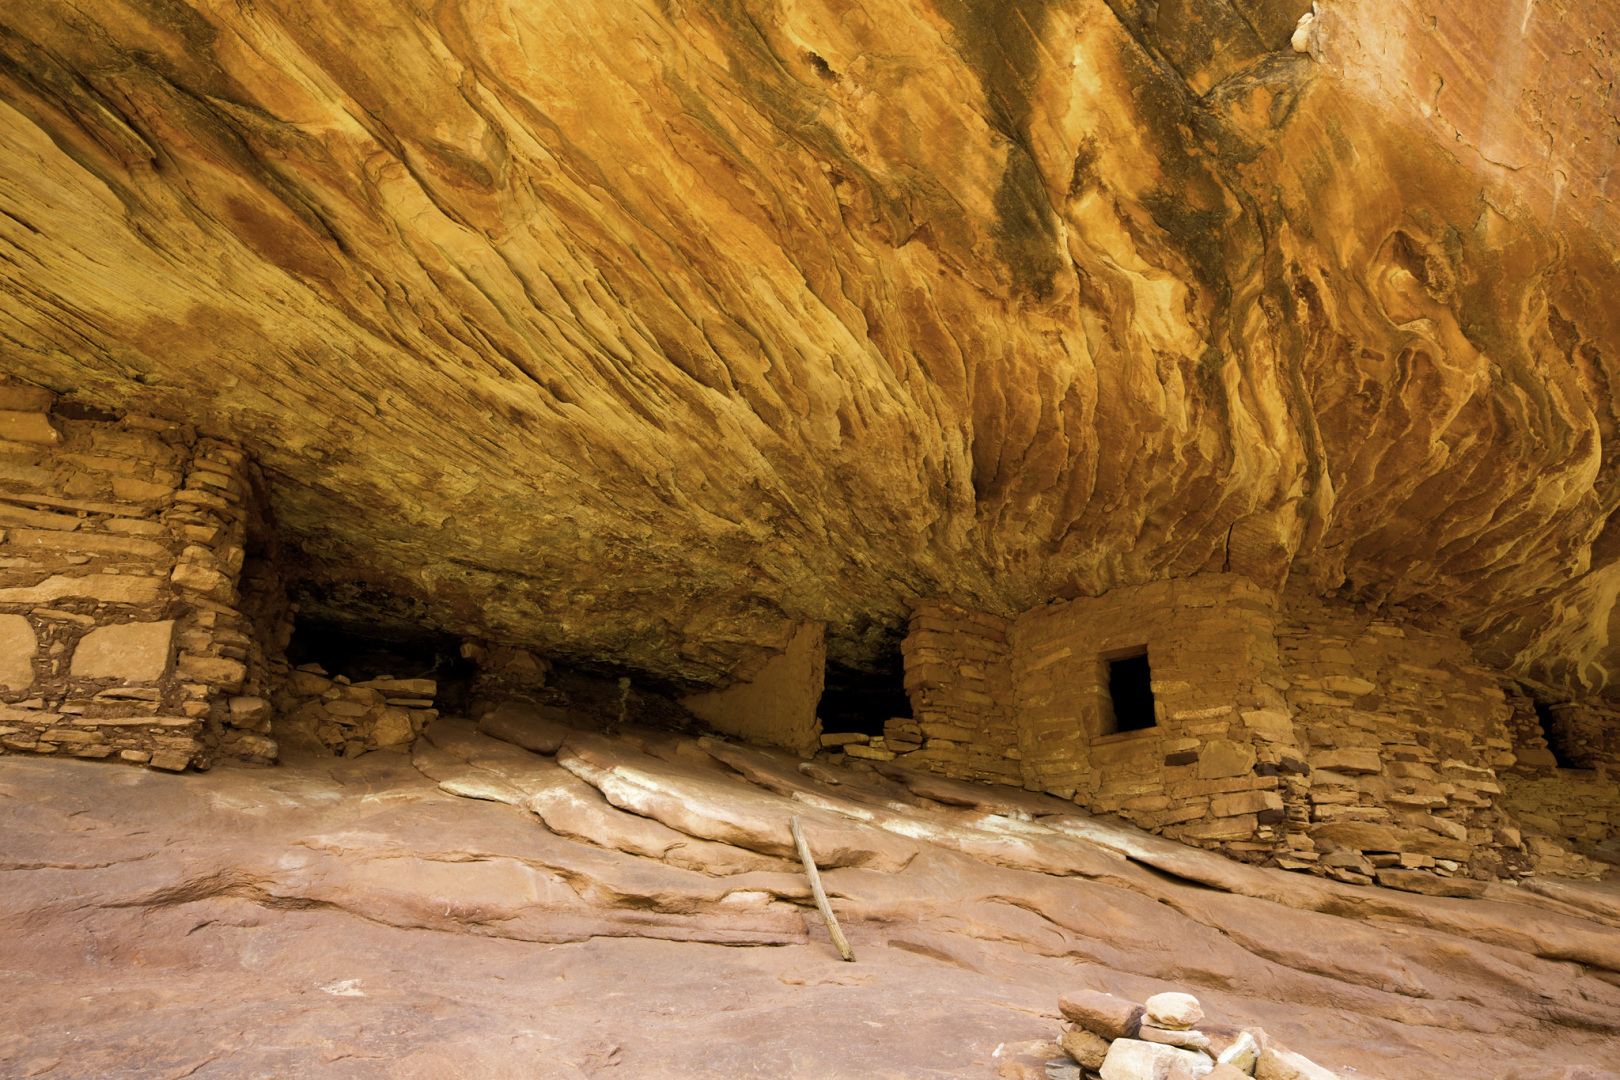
(506,917)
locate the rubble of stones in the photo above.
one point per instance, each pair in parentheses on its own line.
(1164,1038)
(328,713)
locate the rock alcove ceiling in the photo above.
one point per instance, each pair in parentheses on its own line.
(634,332)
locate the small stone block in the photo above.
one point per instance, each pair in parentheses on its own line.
(393,728)
(18,398)
(1240,1056)
(1086,1047)
(1355,761)
(539,728)
(248,711)
(134,652)
(171,760)
(1421,881)
(1184,1038)
(214,670)
(1275,1064)
(1132,1059)
(17,648)
(1173,1011)
(1222,758)
(1106,1015)
(28,427)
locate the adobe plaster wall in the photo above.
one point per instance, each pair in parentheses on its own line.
(777,704)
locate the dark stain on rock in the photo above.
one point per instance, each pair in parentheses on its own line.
(1000,40)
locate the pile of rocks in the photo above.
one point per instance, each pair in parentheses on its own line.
(838,747)
(323,712)
(1118,1039)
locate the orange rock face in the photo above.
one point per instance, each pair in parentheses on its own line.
(639,332)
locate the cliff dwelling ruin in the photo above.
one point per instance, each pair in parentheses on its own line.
(528,530)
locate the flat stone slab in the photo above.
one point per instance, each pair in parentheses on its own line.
(18,647)
(135,652)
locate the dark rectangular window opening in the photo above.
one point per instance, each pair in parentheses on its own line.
(1130,686)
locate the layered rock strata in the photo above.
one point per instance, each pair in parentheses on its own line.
(123,541)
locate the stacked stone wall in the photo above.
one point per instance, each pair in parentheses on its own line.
(1584,734)
(330,715)
(959,678)
(1208,770)
(1569,812)
(122,544)
(1305,733)
(1405,736)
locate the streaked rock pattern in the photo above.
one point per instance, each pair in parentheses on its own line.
(637,331)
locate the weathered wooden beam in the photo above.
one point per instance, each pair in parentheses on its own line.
(838,939)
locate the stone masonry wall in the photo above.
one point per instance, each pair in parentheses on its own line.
(1405,734)
(1585,733)
(1569,813)
(329,715)
(122,542)
(1208,770)
(959,678)
(1304,733)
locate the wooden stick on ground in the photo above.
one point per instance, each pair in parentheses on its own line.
(810,872)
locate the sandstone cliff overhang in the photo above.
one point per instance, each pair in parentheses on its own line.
(643,333)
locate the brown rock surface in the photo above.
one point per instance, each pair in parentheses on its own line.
(533,727)
(1086,1047)
(18,647)
(1108,1016)
(136,651)
(380,925)
(1420,881)
(643,332)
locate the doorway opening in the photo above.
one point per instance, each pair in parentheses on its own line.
(861,701)
(1556,730)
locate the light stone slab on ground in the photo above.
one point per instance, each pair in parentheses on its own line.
(1278,1064)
